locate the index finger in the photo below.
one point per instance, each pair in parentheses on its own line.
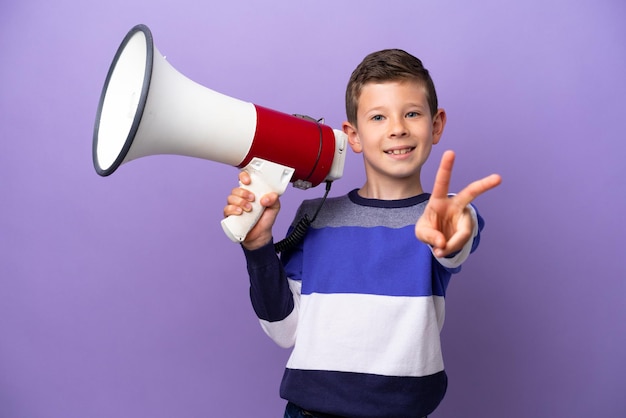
(244,177)
(444,173)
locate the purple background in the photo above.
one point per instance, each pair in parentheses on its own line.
(121,297)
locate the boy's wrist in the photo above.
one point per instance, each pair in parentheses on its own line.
(257,243)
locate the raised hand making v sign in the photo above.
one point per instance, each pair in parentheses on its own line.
(447,224)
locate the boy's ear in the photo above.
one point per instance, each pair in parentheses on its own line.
(353,137)
(439,122)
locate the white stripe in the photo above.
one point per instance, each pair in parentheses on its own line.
(383,335)
(283,332)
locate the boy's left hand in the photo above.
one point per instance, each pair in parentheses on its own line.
(447,224)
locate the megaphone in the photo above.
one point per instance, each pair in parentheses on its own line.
(148,108)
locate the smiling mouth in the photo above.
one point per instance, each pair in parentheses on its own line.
(399,151)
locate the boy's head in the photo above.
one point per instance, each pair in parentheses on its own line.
(383,66)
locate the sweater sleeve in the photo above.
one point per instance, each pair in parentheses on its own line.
(273,295)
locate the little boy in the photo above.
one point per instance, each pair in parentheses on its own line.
(360,299)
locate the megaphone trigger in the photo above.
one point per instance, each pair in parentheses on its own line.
(265,177)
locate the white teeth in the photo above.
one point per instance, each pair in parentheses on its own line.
(399,151)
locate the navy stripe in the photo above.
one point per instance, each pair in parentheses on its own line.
(364,395)
(355,197)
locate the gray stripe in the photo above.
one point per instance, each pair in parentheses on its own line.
(341,211)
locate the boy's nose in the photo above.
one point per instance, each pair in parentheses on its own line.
(398,128)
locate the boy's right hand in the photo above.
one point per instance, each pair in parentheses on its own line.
(239,201)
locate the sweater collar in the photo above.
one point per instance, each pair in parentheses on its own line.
(378,203)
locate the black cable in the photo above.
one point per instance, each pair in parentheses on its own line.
(301,228)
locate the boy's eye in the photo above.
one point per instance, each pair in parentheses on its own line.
(412,115)
(377,117)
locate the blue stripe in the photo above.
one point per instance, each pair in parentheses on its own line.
(399,270)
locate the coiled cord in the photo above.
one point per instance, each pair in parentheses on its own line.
(301,228)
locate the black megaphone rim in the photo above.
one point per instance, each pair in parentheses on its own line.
(141,104)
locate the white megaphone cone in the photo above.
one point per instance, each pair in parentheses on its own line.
(148,108)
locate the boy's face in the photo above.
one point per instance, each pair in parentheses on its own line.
(395,130)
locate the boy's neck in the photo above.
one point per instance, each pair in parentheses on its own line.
(393,191)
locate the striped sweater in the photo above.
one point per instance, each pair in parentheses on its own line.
(362,302)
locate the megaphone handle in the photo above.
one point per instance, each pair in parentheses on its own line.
(265,177)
